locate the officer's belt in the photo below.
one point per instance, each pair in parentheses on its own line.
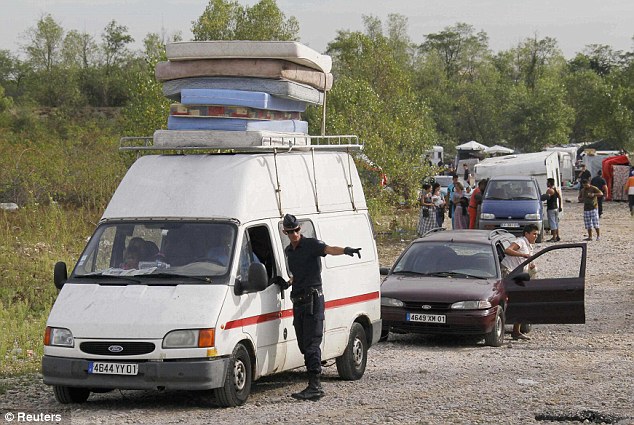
(307,295)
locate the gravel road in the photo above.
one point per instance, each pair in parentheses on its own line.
(565,374)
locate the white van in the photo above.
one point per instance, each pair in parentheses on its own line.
(173,290)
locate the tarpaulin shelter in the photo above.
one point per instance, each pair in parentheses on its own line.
(608,172)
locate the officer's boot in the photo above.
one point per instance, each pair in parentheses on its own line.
(313,391)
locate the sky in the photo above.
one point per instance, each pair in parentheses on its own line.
(573,23)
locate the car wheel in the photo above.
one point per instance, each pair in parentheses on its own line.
(66,395)
(495,338)
(525,328)
(237,386)
(540,237)
(351,365)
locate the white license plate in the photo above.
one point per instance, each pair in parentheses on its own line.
(514,225)
(426,318)
(104,368)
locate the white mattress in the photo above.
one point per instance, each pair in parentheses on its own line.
(287,50)
(226,139)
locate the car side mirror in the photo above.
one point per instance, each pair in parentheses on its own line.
(384,271)
(257,281)
(60,274)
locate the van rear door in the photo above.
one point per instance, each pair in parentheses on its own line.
(555,294)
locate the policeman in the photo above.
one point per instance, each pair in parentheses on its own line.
(303,255)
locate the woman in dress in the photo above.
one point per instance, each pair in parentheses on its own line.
(427,218)
(461,216)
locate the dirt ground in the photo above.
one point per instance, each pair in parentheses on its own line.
(565,374)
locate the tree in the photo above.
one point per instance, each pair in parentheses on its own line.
(44,42)
(228,20)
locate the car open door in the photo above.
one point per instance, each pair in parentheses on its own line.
(555,294)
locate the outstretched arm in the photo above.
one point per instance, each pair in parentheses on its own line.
(337,250)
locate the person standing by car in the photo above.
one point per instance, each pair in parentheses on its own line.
(553,208)
(439,204)
(427,217)
(303,255)
(519,250)
(475,203)
(599,182)
(451,189)
(588,195)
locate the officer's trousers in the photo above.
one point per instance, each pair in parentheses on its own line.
(309,329)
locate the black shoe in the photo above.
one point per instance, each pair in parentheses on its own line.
(313,391)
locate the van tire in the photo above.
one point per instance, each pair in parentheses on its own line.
(495,338)
(540,237)
(351,365)
(66,395)
(525,328)
(237,386)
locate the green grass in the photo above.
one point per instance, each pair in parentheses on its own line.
(32,240)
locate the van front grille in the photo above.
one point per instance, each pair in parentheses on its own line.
(114,348)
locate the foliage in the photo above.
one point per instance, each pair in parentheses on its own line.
(228,20)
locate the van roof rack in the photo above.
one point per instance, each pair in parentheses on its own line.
(276,143)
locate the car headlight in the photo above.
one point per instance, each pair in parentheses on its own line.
(59,337)
(471,305)
(534,216)
(391,302)
(487,216)
(189,338)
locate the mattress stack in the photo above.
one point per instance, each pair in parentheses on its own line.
(240,93)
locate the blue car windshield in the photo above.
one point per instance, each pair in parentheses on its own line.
(448,258)
(145,249)
(507,190)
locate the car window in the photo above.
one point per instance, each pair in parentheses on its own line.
(428,258)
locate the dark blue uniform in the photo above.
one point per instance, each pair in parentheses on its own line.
(308,300)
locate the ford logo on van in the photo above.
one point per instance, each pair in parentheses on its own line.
(115,348)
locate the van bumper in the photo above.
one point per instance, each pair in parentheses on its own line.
(195,374)
(515,227)
(377,326)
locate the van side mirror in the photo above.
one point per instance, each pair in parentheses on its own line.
(384,271)
(60,274)
(258,280)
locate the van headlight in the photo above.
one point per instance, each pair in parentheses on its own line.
(487,216)
(58,337)
(190,338)
(391,302)
(534,216)
(471,305)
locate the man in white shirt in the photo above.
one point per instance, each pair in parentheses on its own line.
(516,253)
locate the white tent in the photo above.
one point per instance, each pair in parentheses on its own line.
(497,149)
(471,146)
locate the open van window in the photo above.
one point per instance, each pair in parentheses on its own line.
(147,249)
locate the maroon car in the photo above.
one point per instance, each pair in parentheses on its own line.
(450,282)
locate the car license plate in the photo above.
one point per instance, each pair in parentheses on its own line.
(426,318)
(104,368)
(514,225)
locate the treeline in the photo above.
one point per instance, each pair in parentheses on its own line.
(399,95)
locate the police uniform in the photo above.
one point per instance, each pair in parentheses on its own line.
(304,262)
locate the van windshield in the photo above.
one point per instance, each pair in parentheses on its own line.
(148,250)
(511,190)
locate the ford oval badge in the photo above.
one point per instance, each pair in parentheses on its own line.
(426,307)
(115,348)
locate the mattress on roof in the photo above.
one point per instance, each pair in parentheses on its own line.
(291,51)
(251,99)
(224,111)
(259,68)
(226,139)
(235,124)
(281,88)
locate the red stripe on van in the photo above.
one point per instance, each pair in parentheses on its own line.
(247,321)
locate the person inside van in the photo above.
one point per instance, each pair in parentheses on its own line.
(304,262)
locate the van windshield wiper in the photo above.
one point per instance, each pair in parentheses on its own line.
(100,275)
(205,279)
(409,272)
(526,198)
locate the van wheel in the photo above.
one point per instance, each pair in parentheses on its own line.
(351,365)
(495,338)
(237,386)
(525,328)
(66,395)
(540,237)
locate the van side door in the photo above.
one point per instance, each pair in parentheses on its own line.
(555,294)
